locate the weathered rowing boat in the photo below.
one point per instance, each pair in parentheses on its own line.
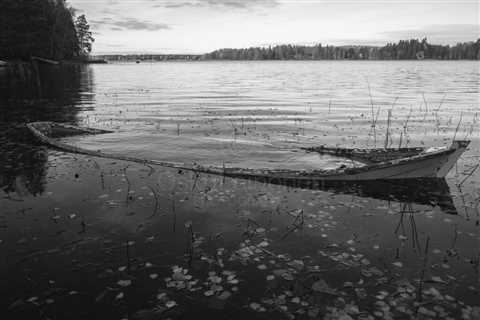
(379,164)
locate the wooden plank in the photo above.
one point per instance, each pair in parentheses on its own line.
(48,61)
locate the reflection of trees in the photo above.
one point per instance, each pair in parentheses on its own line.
(32,91)
(27,94)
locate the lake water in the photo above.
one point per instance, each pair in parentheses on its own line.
(102,238)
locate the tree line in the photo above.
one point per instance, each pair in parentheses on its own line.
(42,28)
(403,50)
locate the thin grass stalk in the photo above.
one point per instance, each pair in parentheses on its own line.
(373,114)
(469,174)
(387,134)
(426,107)
(458,126)
(422,273)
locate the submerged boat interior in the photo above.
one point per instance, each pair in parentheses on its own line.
(368,156)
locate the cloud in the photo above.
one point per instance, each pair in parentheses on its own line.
(239,4)
(439,33)
(120,23)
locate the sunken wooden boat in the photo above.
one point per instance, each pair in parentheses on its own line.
(378,164)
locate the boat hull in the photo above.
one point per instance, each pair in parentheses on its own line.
(433,164)
(427,165)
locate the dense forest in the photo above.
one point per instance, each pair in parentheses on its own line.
(403,50)
(43,28)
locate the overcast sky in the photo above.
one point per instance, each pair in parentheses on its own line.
(198,26)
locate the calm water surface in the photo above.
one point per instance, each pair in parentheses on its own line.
(86,238)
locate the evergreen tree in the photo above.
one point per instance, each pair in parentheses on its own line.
(84,35)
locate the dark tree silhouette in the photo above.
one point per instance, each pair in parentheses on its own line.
(41,28)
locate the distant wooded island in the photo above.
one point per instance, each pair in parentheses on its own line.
(403,50)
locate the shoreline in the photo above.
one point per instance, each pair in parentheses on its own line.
(17,62)
(13,63)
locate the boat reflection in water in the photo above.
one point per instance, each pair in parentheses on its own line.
(424,191)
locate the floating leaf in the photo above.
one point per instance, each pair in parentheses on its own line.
(263,244)
(287,276)
(322,286)
(208,293)
(224,295)
(124,283)
(295,300)
(255,306)
(438,279)
(297,264)
(170,304)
